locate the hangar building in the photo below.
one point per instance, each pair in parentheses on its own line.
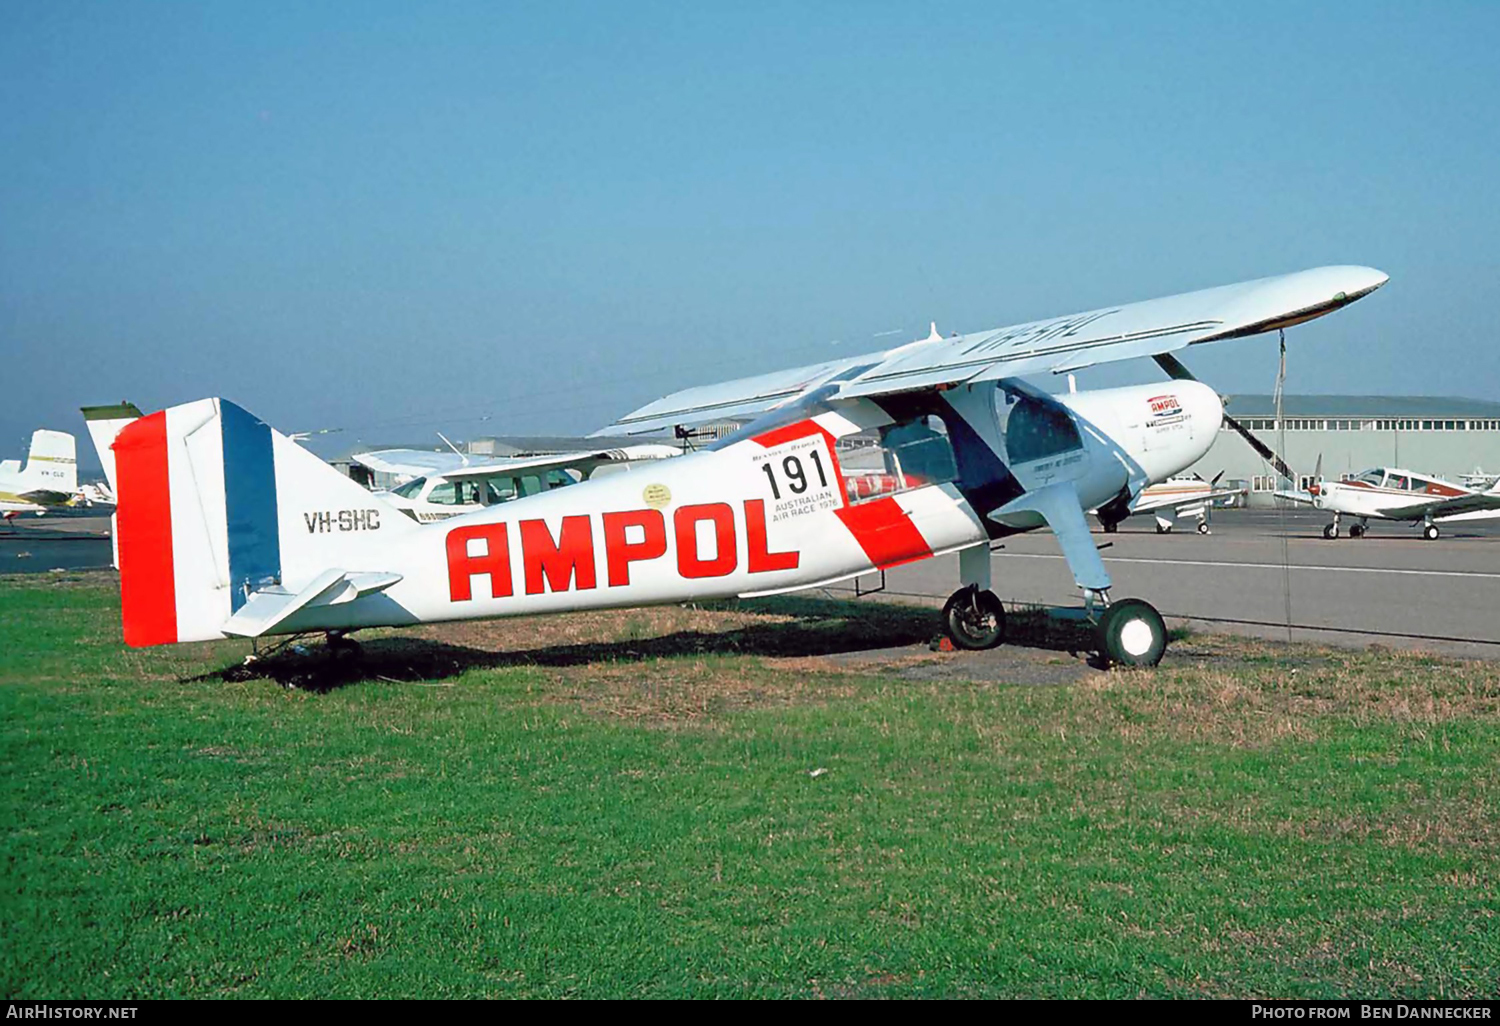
(1434,435)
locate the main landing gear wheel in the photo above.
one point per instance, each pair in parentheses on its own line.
(1331,531)
(1202,527)
(974,619)
(1131,633)
(1163,530)
(1431,532)
(1357,531)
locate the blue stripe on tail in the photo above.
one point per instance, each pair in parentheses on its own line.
(249,502)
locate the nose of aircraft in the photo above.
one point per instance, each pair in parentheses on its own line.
(1204,407)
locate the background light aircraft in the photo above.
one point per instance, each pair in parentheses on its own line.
(228,528)
(1178,496)
(49,480)
(1391,493)
(445,484)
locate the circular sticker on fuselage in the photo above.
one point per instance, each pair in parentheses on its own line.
(656,496)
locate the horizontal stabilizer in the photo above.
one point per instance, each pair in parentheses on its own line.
(268,608)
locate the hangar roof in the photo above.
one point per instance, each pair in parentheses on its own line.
(1363,406)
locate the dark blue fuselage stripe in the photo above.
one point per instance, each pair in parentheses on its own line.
(249,502)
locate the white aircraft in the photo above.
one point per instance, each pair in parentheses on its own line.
(227,528)
(1390,493)
(49,480)
(440,485)
(1181,495)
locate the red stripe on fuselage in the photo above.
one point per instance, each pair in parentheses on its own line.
(885,531)
(143,518)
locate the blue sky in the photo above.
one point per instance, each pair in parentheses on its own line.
(400,218)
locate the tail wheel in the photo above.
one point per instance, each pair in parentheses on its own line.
(1431,532)
(974,619)
(1132,633)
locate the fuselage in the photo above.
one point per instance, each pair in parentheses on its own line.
(794,504)
(1392,493)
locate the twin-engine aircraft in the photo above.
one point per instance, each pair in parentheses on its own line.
(1390,493)
(227,528)
(48,482)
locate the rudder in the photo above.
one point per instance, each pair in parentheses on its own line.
(215,505)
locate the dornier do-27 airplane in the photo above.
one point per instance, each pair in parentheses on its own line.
(222,529)
(1390,493)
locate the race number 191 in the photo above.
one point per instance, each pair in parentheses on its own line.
(793,474)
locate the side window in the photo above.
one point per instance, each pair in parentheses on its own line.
(900,457)
(558,479)
(1034,428)
(529,484)
(1398,482)
(411,489)
(918,453)
(444,494)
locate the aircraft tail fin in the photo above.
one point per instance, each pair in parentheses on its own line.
(104,424)
(215,507)
(51,464)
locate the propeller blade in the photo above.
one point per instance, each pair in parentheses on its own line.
(1215,482)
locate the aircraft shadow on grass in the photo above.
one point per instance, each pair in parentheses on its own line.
(817,627)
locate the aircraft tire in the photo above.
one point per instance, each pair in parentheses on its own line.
(1356,531)
(1132,633)
(1330,531)
(974,620)
(1431,532)
(1202,527)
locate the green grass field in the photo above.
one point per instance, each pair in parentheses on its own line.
(625,804)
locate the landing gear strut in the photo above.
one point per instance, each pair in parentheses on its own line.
(1332,530)
(974,619)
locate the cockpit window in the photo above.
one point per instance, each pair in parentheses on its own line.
(411,489)
(1398,481)
(1034,428)
(1371,477)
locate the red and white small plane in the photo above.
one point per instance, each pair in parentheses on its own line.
(1179,496)
(227,528)
(1390,493)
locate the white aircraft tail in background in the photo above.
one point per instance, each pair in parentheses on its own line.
(49,479)
(104,423)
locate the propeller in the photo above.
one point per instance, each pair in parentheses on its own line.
(1178,372)
(1315,487)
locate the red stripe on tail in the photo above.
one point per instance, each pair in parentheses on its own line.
(143,518)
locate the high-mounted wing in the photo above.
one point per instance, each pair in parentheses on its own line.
(582,461)
(409,462)
(1048,346)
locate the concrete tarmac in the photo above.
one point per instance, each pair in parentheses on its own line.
(1260,570)
(32,544)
